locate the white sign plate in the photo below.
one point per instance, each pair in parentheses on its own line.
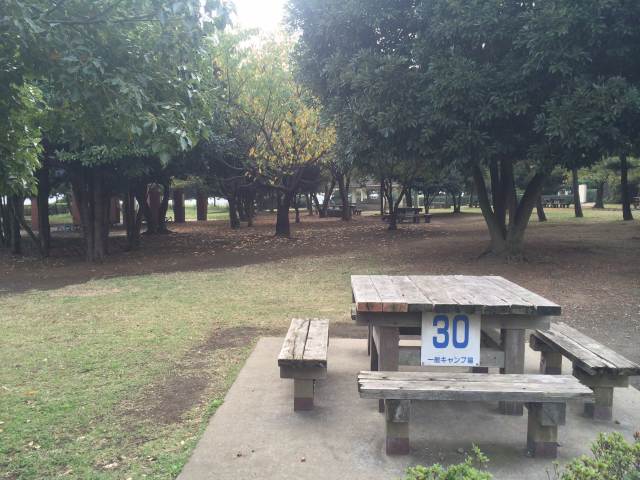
(450,339)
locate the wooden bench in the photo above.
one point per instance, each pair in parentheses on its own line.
(595,365)
(404,217)
(544,396)
(304,358)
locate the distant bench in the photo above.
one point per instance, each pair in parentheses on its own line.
(544,396)
(595,365)
(304,358)
(556,201)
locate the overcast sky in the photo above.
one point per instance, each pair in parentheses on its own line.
(266,15)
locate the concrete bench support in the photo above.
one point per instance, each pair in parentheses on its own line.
(304,358)
(397,415)
(594,364)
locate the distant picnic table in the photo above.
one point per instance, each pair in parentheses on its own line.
(394,305)
(336,210)
(407,214)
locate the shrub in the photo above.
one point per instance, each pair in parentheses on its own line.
(613,459)
(463,471)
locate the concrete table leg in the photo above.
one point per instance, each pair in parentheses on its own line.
(303,394)
(397,426)
(513,344)
(386,349)
(542,428)
(550,363)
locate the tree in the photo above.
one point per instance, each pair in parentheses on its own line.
(283,138)
(19,151)
(118,77)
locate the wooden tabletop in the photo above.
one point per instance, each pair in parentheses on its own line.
(447,293)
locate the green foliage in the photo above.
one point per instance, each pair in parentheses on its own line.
(20,140)
(613,459)
(470,469)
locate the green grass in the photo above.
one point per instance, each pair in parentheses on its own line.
(611,213)
(213,213)
(76,361)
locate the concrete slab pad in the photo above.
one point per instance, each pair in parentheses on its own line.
(256,433)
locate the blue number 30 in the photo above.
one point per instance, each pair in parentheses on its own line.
(443,331)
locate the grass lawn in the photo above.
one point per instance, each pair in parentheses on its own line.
(213,213)
(83,366)
(611,212)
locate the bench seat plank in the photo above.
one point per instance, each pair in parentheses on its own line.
(587,353)
(317,344)
(470,387)
(306,344)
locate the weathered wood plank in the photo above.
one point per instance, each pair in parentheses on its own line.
(470,387)
(294,342)
(439,298)
(391,297)
(541,304)
(317,344)
(577,353)
(475,292)
(365,295)
(610,356)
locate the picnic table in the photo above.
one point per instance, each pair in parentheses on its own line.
(409,210)
(391,305)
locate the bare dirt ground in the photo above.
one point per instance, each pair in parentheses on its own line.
(592,269)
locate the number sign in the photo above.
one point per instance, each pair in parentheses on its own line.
(450,339)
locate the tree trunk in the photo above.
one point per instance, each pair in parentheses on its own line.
(178,205)
(382,196)
(317,204)
(164,208)
(599,195)
(542,217)
(307,198)
(93,202)
(249,199)
(135,217)
(457,200)
(239,201)
(44,228)
(283,228)
(393,212)
(343,187)
(577,206)
(506,239)
(151,209)
(201,206)
(408,199)
(296,206)
(4,223)
(328,191)
(234,220)
(624,188)
(15,204)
